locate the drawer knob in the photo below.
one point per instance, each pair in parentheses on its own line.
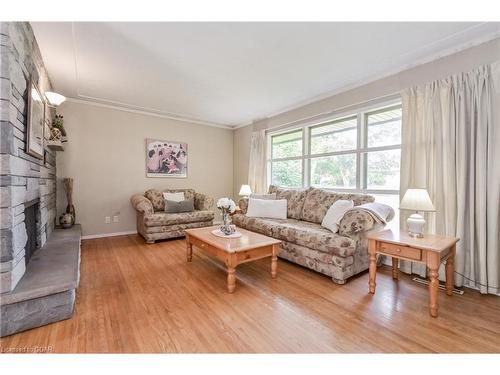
(398,250)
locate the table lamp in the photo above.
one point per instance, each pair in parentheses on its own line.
(416,200)
(245,191)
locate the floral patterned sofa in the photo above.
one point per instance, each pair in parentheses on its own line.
(153,223)
(305,242)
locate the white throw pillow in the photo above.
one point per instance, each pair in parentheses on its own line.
(175,197)
(268,208)
(335,213)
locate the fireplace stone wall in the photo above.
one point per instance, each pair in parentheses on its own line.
(23,178)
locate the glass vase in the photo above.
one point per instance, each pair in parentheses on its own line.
(226,223)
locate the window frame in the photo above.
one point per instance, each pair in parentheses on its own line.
(361,151)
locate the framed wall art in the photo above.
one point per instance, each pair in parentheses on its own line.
(166,158)
(35,122)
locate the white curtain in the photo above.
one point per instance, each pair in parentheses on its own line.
(257,171)
(451,147)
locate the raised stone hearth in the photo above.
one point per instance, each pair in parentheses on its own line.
(46,292)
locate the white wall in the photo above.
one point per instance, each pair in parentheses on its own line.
(106,157)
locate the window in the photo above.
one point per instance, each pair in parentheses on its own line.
(287,155)
(360,152)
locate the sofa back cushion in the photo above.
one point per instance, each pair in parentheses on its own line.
(157,200)
(295,199)
(318,201)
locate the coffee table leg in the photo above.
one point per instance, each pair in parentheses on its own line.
(231,279)
(189,250)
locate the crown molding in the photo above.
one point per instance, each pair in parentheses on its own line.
(351,86)
(105,103)
(146,112)
(132,108)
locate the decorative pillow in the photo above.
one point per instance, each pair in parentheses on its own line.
(174,197)
(188,193)
(268,208)
(173,207)
(295,199)
(263,196)
(156,199)
(335,213)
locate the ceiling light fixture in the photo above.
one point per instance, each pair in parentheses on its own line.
(54,98)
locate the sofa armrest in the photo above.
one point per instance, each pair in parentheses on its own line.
(142,204)
(203,202)
(243,205)
(358,221)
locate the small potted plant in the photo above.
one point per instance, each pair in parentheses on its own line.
(58,123)
(227,207)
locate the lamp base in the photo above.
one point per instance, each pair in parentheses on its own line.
(415,235)
(416,223)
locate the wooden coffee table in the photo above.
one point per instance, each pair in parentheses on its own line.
(233,251)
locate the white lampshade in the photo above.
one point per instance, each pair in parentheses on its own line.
(416,200)
(54,98)
(245,190)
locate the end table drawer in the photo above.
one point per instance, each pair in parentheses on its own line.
(401,251)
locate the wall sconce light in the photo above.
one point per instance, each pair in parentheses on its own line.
(54,98)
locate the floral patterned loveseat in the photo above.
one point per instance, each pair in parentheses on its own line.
(153,223)
(305,242)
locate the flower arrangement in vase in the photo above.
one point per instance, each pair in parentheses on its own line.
(227,207)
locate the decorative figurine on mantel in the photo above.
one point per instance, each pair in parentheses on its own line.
(68,219)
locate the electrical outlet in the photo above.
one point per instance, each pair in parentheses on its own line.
(107,219)
(116,219)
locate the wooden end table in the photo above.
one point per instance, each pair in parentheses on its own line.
(431,250)
(234,251)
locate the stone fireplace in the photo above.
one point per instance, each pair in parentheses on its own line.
(28,184)
(39,265)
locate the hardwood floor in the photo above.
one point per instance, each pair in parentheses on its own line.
(135,297)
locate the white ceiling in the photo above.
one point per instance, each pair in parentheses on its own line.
(232,73)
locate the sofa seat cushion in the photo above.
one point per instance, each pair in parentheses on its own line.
(299,232)
(318,201)
(315,237)
(176,227)
(257,224)
(163,218)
